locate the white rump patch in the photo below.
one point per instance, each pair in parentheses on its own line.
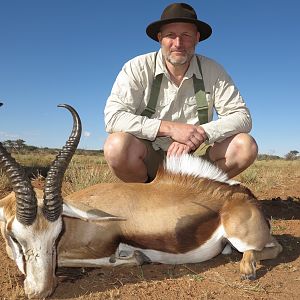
(188,164)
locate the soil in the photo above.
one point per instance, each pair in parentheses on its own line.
(215,279)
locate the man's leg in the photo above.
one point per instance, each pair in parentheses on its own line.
(125,156)
(131,159)
(234,154)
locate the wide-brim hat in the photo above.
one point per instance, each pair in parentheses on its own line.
(179,12)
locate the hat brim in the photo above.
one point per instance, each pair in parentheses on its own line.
(154,28)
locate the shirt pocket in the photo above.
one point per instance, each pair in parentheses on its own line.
(190,108)
(165,105)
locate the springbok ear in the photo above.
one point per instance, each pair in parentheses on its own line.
(87,213)
(2,214)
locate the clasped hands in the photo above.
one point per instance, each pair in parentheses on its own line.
(186,137)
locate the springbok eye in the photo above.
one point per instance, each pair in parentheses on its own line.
(13,239)
(16,242)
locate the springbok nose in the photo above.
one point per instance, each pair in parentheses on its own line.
(40,291)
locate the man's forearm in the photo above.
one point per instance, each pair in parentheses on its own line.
(165,128)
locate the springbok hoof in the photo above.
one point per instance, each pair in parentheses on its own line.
(141,258)
(248,276)
(112,259)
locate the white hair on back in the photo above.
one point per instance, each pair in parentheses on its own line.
(187,164)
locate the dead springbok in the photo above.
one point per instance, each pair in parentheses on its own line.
(186,215)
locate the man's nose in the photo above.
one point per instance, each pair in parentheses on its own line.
(178,40)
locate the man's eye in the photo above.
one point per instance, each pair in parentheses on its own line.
(170,36)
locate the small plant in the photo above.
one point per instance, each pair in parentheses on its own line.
(80,176)
(4,183)
(249,176)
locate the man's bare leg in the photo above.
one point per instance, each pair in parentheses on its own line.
(125,155)
(234,154)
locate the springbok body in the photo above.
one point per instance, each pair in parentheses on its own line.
(186,215)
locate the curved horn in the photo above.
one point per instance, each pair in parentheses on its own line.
(52,192)
(26,203)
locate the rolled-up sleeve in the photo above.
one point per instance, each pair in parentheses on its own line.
(127,100)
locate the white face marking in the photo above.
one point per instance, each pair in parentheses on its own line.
(37,250)
(17,254)
(206,251)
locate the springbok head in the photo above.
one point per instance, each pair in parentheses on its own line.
(31,220)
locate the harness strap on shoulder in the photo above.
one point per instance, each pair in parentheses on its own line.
(202,107)
(151,105)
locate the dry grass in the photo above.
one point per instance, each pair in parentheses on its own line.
(265,175)
(82,172)
(34,159)
(4,183)
(16,291)
(81,175)
(85,170)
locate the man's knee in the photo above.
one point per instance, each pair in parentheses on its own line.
(245,147)
(115,147)
(122,148)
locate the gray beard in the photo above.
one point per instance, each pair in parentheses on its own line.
(178,62)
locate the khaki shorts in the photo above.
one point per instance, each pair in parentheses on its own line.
(155,158)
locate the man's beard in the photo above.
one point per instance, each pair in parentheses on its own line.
(178,60)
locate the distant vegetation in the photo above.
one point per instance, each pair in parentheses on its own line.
(89,167)
(19,146)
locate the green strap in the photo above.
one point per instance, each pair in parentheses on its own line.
(150,109)
(202,107)
(151,105)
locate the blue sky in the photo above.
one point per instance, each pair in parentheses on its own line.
(70,51)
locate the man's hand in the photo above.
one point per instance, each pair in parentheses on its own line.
(177,149)
(190,135)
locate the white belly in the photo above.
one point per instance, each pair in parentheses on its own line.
(206,251)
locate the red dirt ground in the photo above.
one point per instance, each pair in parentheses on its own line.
(216,279)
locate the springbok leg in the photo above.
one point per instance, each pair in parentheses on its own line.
(251,257)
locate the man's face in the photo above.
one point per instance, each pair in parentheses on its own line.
(178,42)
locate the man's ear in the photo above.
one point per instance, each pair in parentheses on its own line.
(87,213)
(198,37)
(159,37)
(2,217)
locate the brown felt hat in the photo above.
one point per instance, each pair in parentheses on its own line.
(179,12)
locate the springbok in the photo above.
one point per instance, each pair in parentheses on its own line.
(186,215)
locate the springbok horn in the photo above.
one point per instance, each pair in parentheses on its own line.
(53,201)
(26,203)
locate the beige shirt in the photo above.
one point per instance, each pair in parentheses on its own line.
(131,91)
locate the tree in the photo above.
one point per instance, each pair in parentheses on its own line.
(8,144)
(19,144)
(292,155)
(14,145)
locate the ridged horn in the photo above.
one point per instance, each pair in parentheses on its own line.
(26,203)
(53,201)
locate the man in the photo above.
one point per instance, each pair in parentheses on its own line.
(183,89)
